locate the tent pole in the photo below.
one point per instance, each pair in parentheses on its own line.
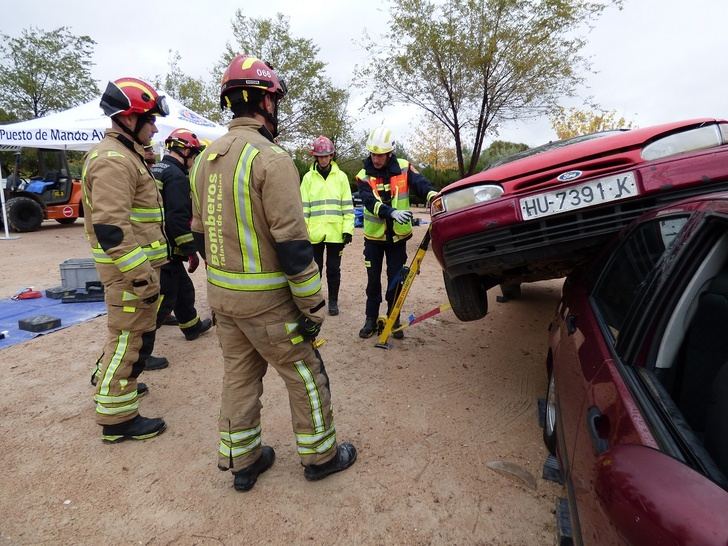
(7,237)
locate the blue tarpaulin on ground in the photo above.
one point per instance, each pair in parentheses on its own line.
(11,311)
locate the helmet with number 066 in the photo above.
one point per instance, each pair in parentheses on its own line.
(380,141)
(322,146)
(127,96)
(246,71)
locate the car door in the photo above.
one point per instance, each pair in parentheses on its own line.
(609,415)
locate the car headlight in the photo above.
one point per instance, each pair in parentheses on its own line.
(464,198)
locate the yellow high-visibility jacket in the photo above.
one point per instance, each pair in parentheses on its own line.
(327,206)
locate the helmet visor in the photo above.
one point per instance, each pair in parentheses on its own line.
(161,108)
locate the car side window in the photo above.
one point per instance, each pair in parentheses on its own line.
(630,267)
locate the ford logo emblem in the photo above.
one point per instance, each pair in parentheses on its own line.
(569,175)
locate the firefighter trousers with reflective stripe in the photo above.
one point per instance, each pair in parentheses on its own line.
(178,295)
(248,346)
(123,360)
(333,265)
(374,256)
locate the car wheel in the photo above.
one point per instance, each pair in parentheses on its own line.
(66,221)
(24,214)
(511,291)
(549,426)
(467,296)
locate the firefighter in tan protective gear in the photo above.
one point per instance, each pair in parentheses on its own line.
(123,223)
(262,281)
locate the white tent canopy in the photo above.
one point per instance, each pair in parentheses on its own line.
(81,127)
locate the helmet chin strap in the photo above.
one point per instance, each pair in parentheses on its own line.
(134,134)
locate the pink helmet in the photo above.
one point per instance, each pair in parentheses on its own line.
(322,146)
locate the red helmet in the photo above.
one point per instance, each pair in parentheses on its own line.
(246,71)
(127,96)
(184,138)
(322,146)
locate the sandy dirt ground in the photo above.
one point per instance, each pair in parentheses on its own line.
(426,416)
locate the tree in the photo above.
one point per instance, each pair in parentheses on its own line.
(313,105)
(43,72)
(571,122)
(432,145)
(499,149)
(195,93)
(474,64)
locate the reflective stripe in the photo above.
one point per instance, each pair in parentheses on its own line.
(244,211)
(240,442)
(193,185)
(122,344)
(155,251)
(246,281)
(182,239)
(189,324)
(319,449)
(128,309)
(128,408)
(130,260)
(314,400)
(309,287)
(307,439)
(146,215)
(116,399)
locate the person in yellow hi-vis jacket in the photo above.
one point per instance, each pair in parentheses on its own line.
(123,222)
(329,214)
(262,281)
(385,184)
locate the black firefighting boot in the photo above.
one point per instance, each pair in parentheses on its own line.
(370,326)
(344,458)
(155,363)
(139,428)
(142,389)
(333,285)
(245,479)
(198,329)
(397,334)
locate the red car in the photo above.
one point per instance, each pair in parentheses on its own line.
(547,210)
(637,401)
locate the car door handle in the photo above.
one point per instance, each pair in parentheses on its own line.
(570,324)
(598,425)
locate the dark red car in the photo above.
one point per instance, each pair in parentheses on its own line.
(549,209)
(637,402)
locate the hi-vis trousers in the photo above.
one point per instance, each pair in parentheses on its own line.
(131,328)
(248,345)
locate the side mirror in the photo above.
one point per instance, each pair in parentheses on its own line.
(651,498)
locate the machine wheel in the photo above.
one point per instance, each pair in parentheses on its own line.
(549,426)
(66,221)
(467,296)
(24,214)
(511,291)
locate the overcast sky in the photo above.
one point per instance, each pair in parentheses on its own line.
(656,60)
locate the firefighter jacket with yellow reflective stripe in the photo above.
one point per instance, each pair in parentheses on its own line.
(246,203)
(173,184)
(327,205)
(384,190)
(123,214)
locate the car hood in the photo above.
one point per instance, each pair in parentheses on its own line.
(599,154)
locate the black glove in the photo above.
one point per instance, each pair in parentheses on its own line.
(308,328)
(347,238)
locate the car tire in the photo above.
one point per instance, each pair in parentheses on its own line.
(549,424)
(24,214)
(511,291)
(66,221)
(467,296)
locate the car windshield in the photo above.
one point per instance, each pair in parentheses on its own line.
(551,146)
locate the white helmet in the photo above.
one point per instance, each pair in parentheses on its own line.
(380,141)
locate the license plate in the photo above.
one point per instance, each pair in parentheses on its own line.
(588,194)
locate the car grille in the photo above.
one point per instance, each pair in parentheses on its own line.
(560,229)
